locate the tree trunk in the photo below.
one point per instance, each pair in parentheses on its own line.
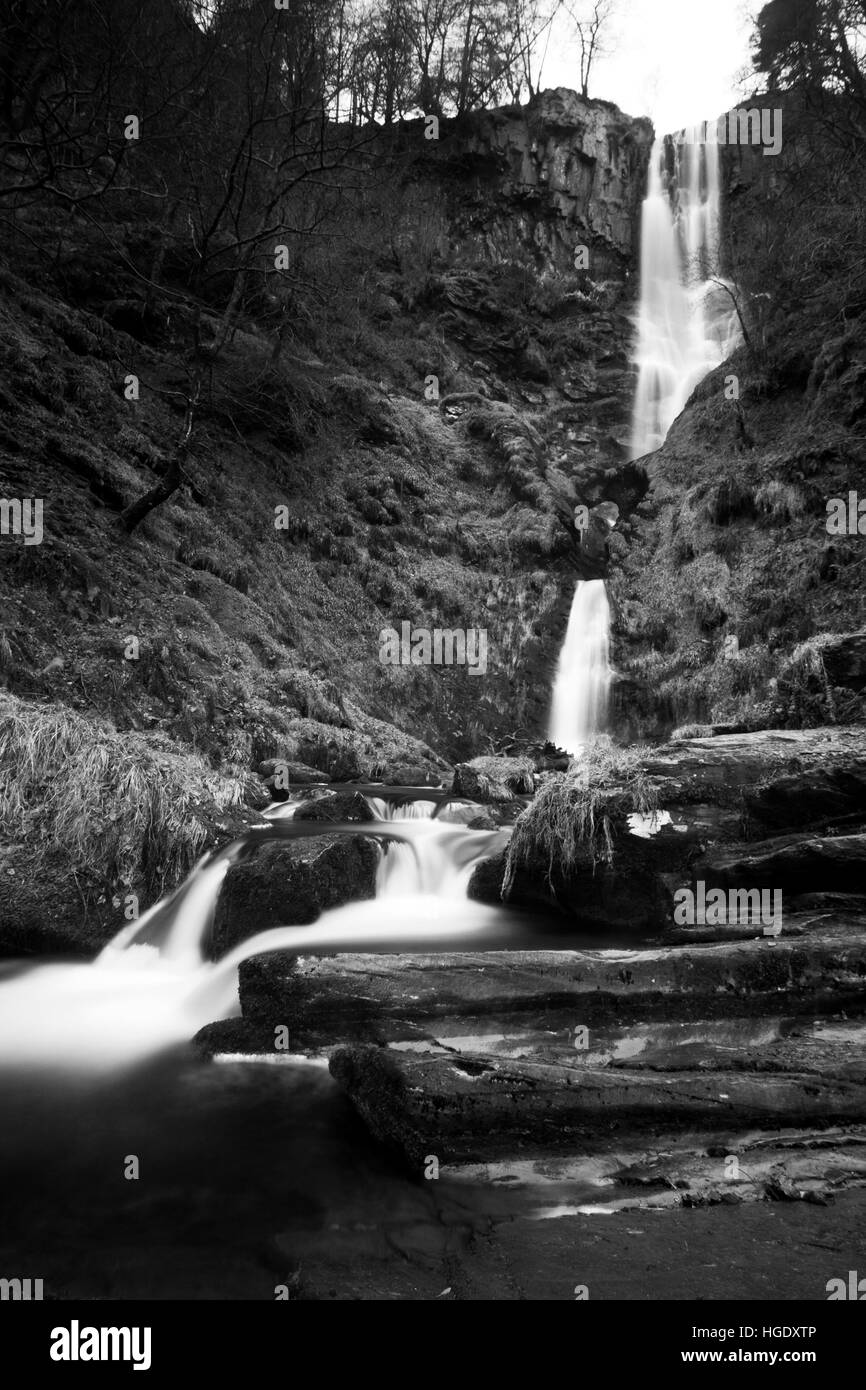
(465,63)
(172,478)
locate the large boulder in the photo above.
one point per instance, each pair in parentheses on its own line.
(410,775)
(747,810)
(282,776)
(631,894)
(291,884)
(293,772)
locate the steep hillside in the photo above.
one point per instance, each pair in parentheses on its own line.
(411,453)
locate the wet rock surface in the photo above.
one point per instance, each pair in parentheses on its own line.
(651,1059)
(292,884)
(377,997)
(468,1108)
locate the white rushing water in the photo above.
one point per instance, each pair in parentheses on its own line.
(152,986)
(582,684)
(686,321)
(686,326)
(439,860)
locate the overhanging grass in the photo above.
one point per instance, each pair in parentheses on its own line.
(123,808)
(572,813)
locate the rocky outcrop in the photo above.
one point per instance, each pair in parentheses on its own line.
(793,864)
(471,1109)
(540,180)
(712,1036)
(483,1056)
(522,994)
(750,810)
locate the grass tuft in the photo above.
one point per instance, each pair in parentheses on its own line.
(573,812)
(121,807)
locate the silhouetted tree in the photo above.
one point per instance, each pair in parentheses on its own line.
(592,20)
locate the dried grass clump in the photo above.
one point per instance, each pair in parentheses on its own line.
(572,813)
(122,807)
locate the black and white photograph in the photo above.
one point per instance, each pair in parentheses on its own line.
(433,669)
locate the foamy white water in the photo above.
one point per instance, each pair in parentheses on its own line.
(686,326)
(686,322)
(152,988)
(582,685)
(440,858)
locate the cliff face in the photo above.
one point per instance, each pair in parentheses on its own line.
(537,181)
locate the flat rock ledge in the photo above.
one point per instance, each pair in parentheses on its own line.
(707,1063)
(465,1109)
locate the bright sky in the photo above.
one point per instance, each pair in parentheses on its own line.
(676,61)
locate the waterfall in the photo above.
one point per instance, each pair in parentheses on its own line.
(686,326)
(582,684)
(151,986)
(439,860)
(686,323)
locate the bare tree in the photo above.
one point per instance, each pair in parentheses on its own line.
(531,21)
(592,20)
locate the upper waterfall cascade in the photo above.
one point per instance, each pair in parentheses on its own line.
(687,322)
